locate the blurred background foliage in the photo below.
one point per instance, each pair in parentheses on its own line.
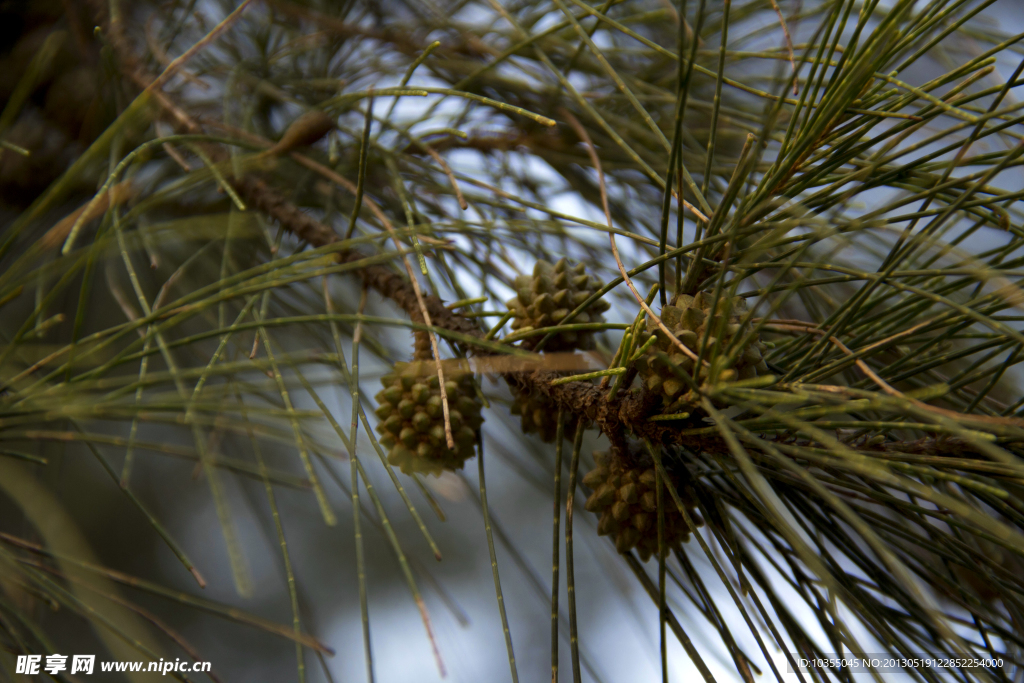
(224,223)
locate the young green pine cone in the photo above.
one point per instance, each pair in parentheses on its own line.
(412,418)
(538,414)
(625,498)
(689,317)
(548,296)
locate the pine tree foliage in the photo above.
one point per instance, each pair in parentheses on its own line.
(765,255)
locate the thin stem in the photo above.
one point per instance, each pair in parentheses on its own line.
(570,576)
(361,176)
(494,563)
(555,544)
(661,573)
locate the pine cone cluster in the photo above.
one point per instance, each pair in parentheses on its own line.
(542,300)
(538,414)
(625,498)
(548,296)
(689,317)
(412,418)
